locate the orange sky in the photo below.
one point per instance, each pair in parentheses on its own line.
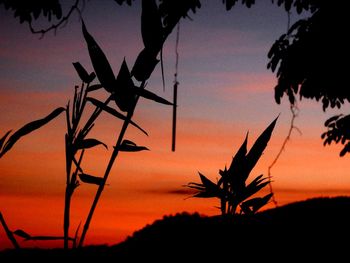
(225,90)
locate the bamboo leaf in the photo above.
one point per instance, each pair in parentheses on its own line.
(94,87)
(151,96)
(206,189)
(21,233)
(144,65)
(90,179)
(259,147)
(89,143)
(129,146)
(113,112)
(238,171)
(2,140)
(28,128)
(84,76)
(256,203)
(212,190)
(99,61)
(151,26)
(253,189)
(124,96)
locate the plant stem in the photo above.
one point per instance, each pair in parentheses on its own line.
(67,201)
(108,169)
(8,232)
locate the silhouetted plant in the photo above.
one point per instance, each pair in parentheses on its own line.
(338,130)
(157,22)
(155,28)
(231,188)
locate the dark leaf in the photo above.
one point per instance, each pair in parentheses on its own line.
(92,76)
(89,143)
(113,112)
(22,234)
(2,140)
(129,146)
(94,87)
(332,119)
(151,96)
(345,150)
(144,65)
(28,128)
(84,76)
(256,203)
(151,26)
(124,95)
(99,61)
(259,146)
(254,187)
(238,171)
(206,189)
(90,179)
(211,188)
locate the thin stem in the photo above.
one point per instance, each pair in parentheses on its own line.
(78,107)
(294,111)
(8,232)
(108,169)
(66,216)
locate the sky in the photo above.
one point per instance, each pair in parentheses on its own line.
(225,90)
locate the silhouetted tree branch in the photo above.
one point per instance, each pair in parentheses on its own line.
(294,110)
(62,22)
(27,11)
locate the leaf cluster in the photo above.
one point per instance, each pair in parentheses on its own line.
(232,188)
(338,130)
(29,10)
(307,59)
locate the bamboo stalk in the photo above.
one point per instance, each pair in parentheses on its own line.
(108,169)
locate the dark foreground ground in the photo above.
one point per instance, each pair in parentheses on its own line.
(315,230)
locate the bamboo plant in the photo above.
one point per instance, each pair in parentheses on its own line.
(232,188)
(157,22)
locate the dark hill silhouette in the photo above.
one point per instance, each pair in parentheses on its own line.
(307,230)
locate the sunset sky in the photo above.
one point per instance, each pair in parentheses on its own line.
(225,90)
